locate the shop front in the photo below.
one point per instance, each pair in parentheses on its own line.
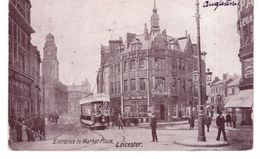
(242,105)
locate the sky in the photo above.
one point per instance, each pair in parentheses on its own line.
(81,26)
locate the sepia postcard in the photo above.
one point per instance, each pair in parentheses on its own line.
(130,75)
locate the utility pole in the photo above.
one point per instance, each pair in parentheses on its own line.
(201,129)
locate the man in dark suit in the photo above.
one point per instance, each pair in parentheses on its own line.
(220,121)
(18,127)
(153,126)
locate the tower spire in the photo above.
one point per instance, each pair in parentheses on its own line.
(154,6)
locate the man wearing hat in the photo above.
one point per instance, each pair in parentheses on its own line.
(220,121)
(153,126)
(18,127)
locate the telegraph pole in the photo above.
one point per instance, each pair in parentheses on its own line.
(201,129)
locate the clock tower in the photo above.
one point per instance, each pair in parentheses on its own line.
(50,64)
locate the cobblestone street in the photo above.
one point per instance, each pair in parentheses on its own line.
(69,134)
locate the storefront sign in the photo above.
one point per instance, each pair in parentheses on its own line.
(246,20)
(248,68)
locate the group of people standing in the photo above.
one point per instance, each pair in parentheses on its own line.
(34,126)
(230,120)
(53,117)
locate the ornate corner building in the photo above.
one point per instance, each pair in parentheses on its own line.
(245,27)
(24,62)
(54,93)
(150,72)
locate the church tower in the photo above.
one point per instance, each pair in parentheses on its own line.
(155,27)
(50,64)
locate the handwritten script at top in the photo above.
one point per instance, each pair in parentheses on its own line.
(220,3)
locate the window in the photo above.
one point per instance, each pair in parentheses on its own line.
(160,83)
(179,85)
(142,83)
(174,64)
(10,28)
(212,99)
(111,88)
(132,64)
(125,85)
(184,86)
(179,64)
(233,90)
(15,32)
(115,69)
(111,69)
(142,64)
(119,87)
(174,84)
(133,84)
(22,60)
(19,35)
(183,66)
(159,63)
(190,85)
(10,52)
(118,68)
(115,88)
(125,66)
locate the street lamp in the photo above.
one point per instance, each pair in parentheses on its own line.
(208,76)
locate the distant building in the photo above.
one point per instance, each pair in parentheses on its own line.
(54,93)
(24,61)
(75,93)
(219,91)
(150,72)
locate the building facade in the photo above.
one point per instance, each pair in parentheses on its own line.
(75,93)
(149,73)
(242,103)
(24,61)
(219,92)
(54,93)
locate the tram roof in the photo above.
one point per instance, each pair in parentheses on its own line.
(99,97)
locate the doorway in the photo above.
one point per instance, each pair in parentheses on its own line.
(162,112)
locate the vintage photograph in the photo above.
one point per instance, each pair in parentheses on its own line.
(130,75)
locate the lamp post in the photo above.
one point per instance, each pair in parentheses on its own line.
(201,128)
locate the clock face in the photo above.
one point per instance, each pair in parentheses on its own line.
(48,53)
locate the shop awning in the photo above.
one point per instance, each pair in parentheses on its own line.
(244,99)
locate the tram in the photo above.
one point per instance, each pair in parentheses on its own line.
(95,111)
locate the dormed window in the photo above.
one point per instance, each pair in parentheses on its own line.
(132,65)
(133,84)
(160,83)
(159,63)
(125,66)
(142,64)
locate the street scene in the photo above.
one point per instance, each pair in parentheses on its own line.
(152,75)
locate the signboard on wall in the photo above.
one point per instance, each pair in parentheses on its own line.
(248,68)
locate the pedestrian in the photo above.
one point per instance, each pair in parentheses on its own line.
(208,120)
(220,122)
(234,119)
(211,114)
(27,129)
(120,121)
(18,127)
(191,122)
(153,126)
(12,122)
(56,117)
(42,127)
(35,126)
(228,119)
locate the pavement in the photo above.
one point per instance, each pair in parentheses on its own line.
(171,135)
